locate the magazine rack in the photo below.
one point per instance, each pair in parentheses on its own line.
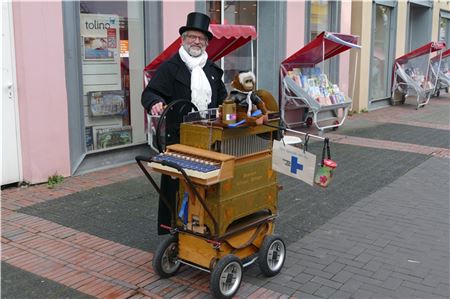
(306,91)
(226,39)
(413,74)
(441,69)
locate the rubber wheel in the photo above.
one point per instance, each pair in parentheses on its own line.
(309,122)
(226,277)
(165,260)
(272,255)
(438,93)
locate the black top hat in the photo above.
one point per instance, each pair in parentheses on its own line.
(197,21)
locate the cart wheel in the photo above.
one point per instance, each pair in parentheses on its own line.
(271,255)
(226,277)
(309,122)
(165,261)
(438,93)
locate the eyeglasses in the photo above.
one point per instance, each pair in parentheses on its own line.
(191,38)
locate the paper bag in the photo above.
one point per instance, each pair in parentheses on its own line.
(293,161)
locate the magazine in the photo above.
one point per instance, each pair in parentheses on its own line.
(107,103)
(113,136)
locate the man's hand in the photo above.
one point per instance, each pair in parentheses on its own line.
(157,108)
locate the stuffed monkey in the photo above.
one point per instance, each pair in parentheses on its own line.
(244,85)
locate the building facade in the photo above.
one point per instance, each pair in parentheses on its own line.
(71,101)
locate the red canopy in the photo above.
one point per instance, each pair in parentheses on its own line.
(445,54)
(226,38)
(323,47)
(425,49)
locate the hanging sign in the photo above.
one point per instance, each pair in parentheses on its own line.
(293,161)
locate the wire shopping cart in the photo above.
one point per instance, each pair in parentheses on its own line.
(413,74)
(307,96)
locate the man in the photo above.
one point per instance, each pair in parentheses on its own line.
(186,75)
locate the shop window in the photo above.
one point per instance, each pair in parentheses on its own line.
(444,28)
(111,59)
(238,13)
(323,15)
(381,53)
(419,25)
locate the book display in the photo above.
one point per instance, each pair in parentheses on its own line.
(105,81)
(106,103)
(307,96)
(112,136)
(317,85)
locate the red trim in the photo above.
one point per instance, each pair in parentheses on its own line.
(226,38)
(312,53)
(425,49)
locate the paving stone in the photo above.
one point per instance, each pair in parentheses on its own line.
(327,282)
(339,294)
(334,268)
(342,276)
(303,278)
(325,292)
(310,287)
(351,285)
(280,288)
(303,295)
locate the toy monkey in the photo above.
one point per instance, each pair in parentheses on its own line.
(243,93)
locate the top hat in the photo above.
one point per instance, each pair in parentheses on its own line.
(197,21)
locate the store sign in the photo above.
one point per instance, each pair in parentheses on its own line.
(100,36)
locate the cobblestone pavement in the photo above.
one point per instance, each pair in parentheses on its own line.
(387,241)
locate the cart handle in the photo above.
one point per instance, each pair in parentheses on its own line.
(186,178)
(164,199)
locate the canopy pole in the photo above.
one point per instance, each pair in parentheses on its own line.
(354,76)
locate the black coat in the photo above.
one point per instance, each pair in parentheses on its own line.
(172,81)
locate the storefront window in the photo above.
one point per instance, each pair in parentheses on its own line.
(380,53)
(319,18)
(112,61)
(239,13)
(444,30)
(323,16)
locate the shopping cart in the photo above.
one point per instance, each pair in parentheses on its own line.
(226,39)
(413,74)
(441,69)
(307,96)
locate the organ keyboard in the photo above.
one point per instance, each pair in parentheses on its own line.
(202,166)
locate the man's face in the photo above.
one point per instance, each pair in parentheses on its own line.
(195,42)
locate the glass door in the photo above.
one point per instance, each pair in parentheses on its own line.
(112,58)
(239,13)
(324,16)
(382,55)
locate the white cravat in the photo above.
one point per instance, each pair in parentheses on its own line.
(200,87)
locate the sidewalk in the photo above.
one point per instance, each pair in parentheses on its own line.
(380,231)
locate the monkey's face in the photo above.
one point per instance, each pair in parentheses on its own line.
(248,84)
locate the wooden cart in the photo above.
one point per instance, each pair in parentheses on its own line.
(231,212)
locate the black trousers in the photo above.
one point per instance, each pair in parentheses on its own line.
(169,187)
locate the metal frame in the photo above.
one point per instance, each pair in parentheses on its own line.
(318,113)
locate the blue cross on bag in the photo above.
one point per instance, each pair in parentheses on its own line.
(293,161)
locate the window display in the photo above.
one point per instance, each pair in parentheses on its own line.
(111,81)
(237,13)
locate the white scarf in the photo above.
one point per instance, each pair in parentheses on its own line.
(200,87)
(248,100)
